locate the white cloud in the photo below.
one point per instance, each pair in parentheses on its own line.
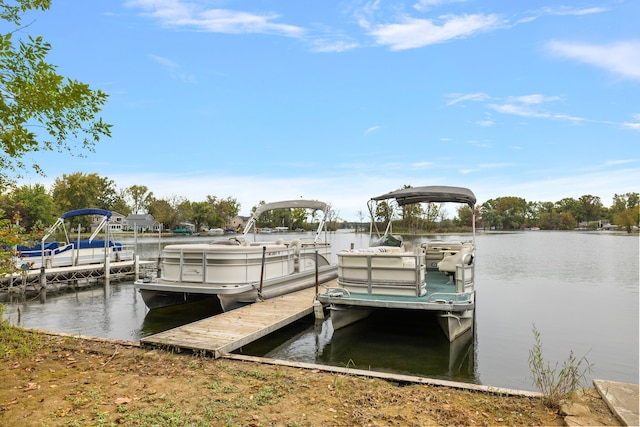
(456,97)
(622,58)
(176,13)
(535,98)
(412,33)
(565,10)
(518,110)
(173,69)
(322,45)
(423,5)
(634,126)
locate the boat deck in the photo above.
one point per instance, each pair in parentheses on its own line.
(226,332)
(439,292)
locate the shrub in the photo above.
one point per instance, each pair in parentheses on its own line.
(556,382)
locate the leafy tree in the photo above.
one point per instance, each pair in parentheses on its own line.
(383,213)
(465,217)
(36,204)
(226,209)
(626,210)
(548,216)
(79,190)
(590,207)
(140,196)
(33,96)
(491,218)
(201,213)
(120,204)
(164,212)
(183,209)
(567,221)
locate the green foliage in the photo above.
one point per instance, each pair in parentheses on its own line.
(556,382)
(16,341)
(11,234)
(33,96)
(79,190)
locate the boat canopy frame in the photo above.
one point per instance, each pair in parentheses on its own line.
(425,194)
(315,205)
(106,217)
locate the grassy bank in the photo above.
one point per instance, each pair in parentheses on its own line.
(52,380)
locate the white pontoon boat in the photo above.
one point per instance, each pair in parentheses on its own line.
(74,252)
(241,271)
(435,276)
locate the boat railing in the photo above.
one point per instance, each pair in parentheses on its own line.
(450,297)
(382,271)
(464,274)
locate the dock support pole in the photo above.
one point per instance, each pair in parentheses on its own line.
(136,268)
(317,305)
(107,270)
(264,252)
(43,278)
(43,285)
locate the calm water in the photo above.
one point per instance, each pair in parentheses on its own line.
(580,290)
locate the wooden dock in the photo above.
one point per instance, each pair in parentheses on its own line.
(226,332)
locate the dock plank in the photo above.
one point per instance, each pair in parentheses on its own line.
(226,332)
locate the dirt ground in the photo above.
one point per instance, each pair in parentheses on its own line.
(50,380)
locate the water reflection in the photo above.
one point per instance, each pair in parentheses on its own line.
(404,342)
(165,318)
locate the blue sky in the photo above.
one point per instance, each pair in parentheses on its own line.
(342,101)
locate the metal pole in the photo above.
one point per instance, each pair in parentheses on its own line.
(264,252)
(316,271)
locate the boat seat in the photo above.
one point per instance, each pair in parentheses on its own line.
(436,250)
(297,245)
(448,263)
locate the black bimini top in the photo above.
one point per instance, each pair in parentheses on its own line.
(430,194)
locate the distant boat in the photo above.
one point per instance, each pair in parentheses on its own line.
(183,230)
(265,230)
(73,252)
(240,271)
(215,231)
(391,274)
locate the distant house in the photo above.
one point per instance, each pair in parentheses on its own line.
(115,224)
(238,222)
(142,223)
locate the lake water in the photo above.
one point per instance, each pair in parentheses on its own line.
(580,290)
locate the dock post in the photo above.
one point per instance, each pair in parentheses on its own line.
(43,278)
(107,270)
(43,285)
(317,305)
(136,267)
(318,311)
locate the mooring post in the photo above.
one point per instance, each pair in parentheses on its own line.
(136,267)
(43,285)
(264,260)
(107,270)
(43,278)
(318,311)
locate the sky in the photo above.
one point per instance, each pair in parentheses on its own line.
(341,101)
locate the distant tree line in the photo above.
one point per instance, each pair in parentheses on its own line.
(514,213)
(34,207)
